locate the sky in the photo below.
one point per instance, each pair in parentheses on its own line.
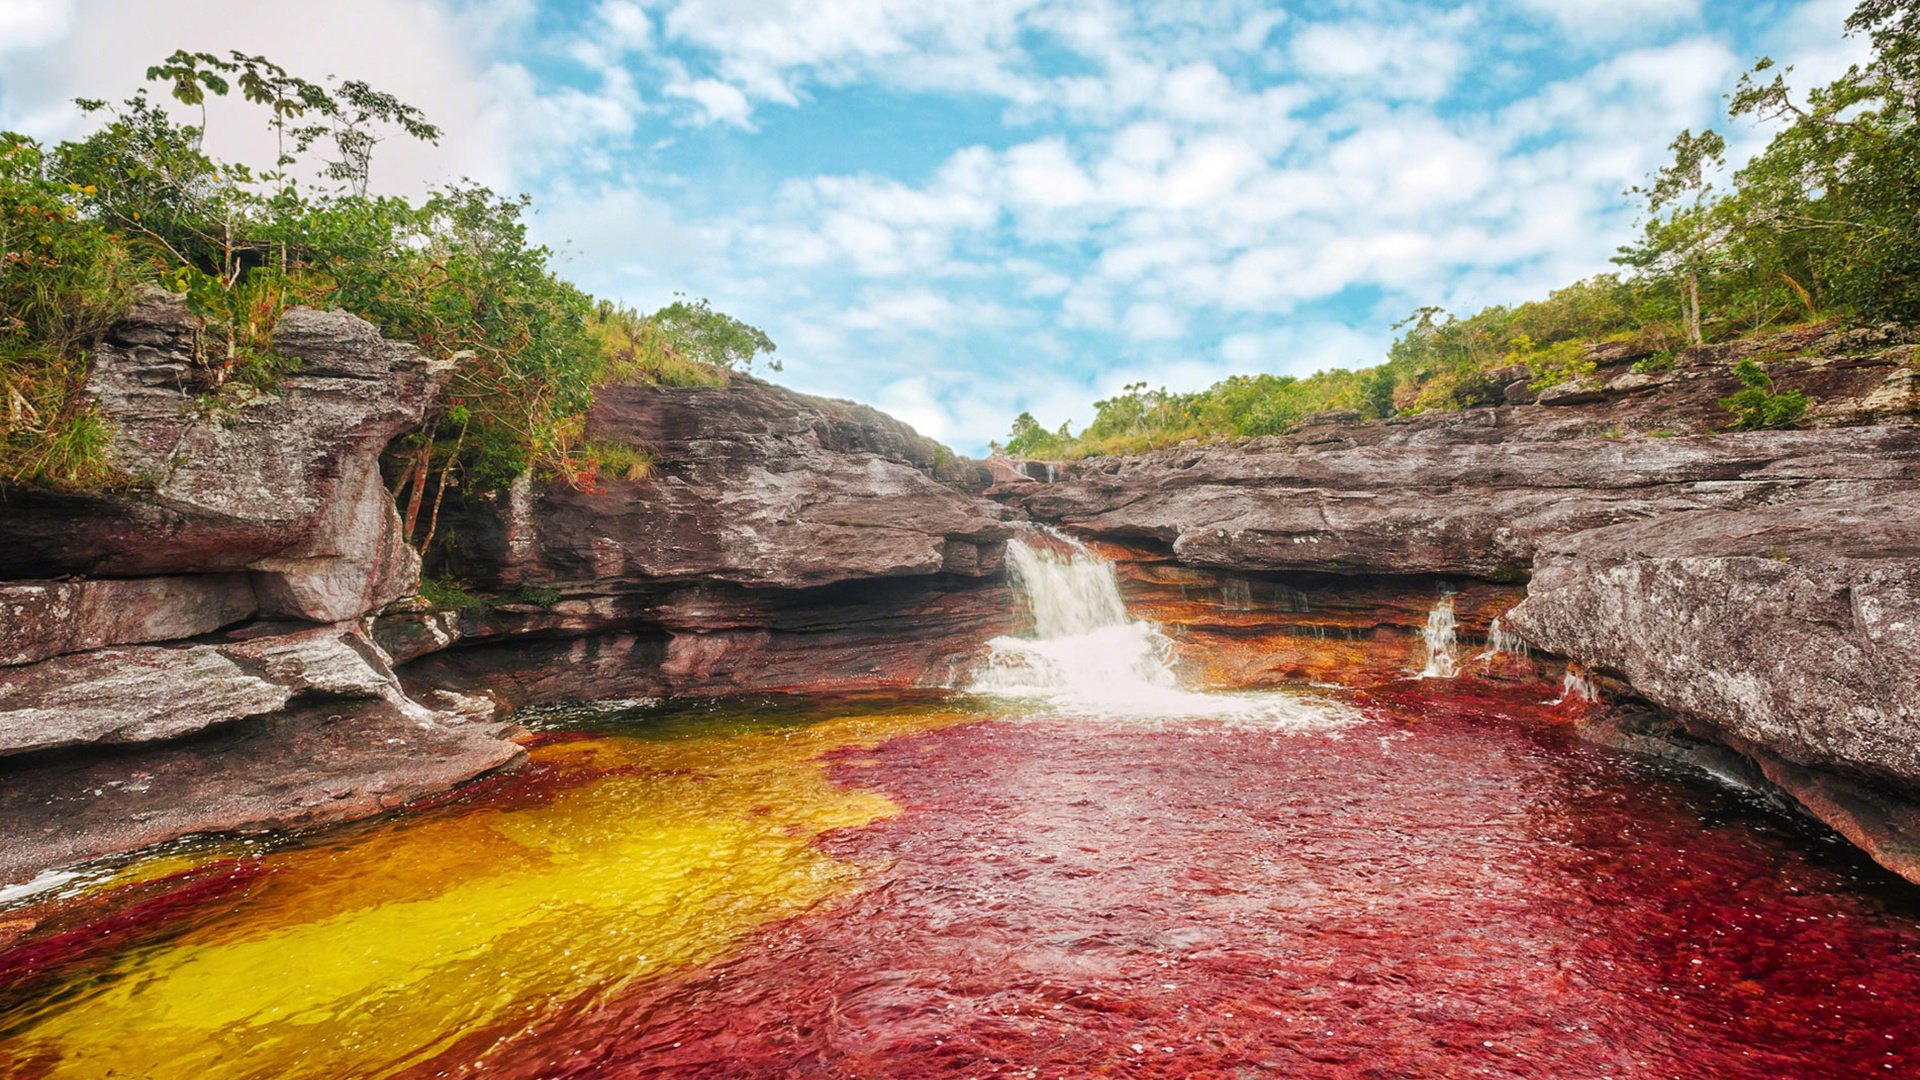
(958,210)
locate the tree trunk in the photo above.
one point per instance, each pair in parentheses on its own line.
(419,485)
(1693,306)
(453,460)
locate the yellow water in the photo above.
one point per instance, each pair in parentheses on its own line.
(372,952)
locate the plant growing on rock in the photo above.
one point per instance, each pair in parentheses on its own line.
(1756,406)
(138,200)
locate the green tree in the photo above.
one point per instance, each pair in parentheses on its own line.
(1680,227)
(702,334)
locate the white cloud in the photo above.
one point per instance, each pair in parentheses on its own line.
(720,102)
(422,54)
(1614,18)
(1418,58)
(32,24)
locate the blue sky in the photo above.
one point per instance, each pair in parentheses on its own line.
(960,209)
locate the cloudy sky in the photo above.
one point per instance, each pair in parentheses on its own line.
(959,209)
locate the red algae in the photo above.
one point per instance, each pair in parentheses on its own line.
(1456,889)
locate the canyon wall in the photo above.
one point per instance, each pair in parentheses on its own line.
(229,639)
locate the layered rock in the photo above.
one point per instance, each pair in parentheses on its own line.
(781,542)
(183,652)
(283,485)
(1791,633)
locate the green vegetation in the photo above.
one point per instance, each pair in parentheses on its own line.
(1824,223)
(446,594)
(138,202)
(1756,406)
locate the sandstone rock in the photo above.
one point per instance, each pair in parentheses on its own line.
(1794,628)
(1575,392)
(313,765)
(282,482)
(155,692)
(41,619)
(753,484)
(1473,498)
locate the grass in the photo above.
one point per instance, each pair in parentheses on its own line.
(635,350)
(446,594)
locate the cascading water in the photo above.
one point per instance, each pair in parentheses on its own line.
(1443,647)
(1504,642)
(1087,656)
(1575,685)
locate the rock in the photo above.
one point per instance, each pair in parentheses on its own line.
(782,542)
(1613,353)
(314,765)
(41,619)
(283,483)
(753,484)
(1466,498)
(1520,392)
(1575,392)
(148,693)
(1793,628)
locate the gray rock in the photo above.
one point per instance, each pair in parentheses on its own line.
(1793,628)
(285,482)
(154,692)
(753,485)
(40,619)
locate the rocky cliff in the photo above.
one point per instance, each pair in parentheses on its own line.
(224,641)
(781,542)
(1757,588)
(228,640)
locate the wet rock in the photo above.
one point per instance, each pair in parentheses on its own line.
(313,765)
(153,692)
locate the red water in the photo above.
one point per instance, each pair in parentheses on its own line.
(1458,889)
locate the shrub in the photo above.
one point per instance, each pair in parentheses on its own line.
(1756,406)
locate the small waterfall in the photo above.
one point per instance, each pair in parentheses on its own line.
(1088,657)
(1504,642)
(1576,685)
(1084,647)
(1443,646)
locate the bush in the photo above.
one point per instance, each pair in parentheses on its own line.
(64,278)
(1756,406)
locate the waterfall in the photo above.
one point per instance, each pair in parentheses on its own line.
(1576,685)
(1443,661)
(1086,656)
(1504,642)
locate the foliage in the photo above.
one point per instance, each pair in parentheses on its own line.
(138,200)
(697,332)
(634,348)
(446,594)
(1756,406)
(63,280)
